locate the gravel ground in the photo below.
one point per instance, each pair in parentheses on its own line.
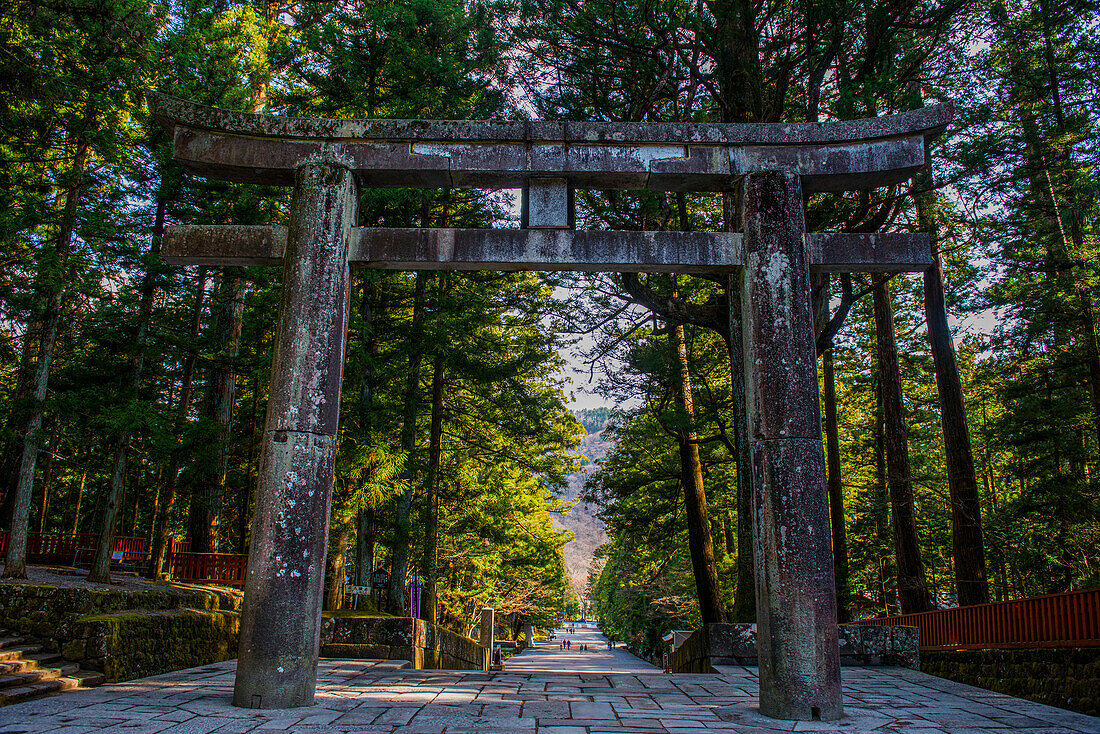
(78,578)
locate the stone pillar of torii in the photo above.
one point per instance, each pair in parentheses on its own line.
(327,161)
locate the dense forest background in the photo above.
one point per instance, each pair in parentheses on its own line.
(961,407)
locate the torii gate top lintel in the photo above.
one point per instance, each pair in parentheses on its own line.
(664,156)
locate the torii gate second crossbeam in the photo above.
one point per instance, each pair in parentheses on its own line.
(327,160)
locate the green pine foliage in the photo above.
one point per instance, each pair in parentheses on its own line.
(1013,194)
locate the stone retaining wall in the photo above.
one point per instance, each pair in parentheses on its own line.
(136,644)
(424,645)
(1067,677)
(48,613)
(735,644)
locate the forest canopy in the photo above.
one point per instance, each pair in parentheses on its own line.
(960,406)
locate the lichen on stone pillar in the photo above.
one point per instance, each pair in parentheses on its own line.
(796,604)
(281,616)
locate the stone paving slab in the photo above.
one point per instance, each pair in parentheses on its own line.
(358,697)
(550,657)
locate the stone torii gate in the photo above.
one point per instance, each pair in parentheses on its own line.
(327,161)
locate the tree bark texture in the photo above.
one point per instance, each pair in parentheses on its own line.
(365,520)
(208,491)
(162,521)
(700,542)
(15,424)
(15,564)
(101,564)
(334,568)
(429,598)
(395,601)
(967,543)
(913,591)
(836,492)
(744,599)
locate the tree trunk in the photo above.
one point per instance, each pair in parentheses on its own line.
(209,489)
(967,546)
(365,522)
(395,603)
(334,568)
(695,499)
(162,522)
(836,491)
(47,479)
(428,610)
(15,564)
(881,505)
(79,498)
(248,498)
(912,584)
(101,564)
(16,422)
(364,547)
(744,601)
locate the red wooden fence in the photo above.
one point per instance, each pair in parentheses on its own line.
(218,568)
(1071,619)
(64,548)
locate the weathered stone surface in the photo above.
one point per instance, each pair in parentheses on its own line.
(171,111)
(501,249)
(830,156)
(309,340)
(1066,677)
(280,624)
(50,613)
(735,644)
(875,640)
(224,245)
(139,643)
(362,697)
(837,167)
(779,353)
(796,608)
(548,203)
(850,252)
(905,646)
(400,638)
(510,249)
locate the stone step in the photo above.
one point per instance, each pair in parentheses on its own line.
(45,659)
(19,651)
(17,666)
(392,665)
(18,680)
(10,641)
(85,678)
(27,671)
(34,690)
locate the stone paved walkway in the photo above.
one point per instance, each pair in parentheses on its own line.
(358,697)
(550,657)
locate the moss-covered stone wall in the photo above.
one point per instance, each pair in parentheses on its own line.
(1066,677)
(735,644)
(139,643)
(48,612)
(400,638)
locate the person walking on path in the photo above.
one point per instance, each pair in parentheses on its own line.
(585,656)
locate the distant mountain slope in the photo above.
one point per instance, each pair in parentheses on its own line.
(582,520)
